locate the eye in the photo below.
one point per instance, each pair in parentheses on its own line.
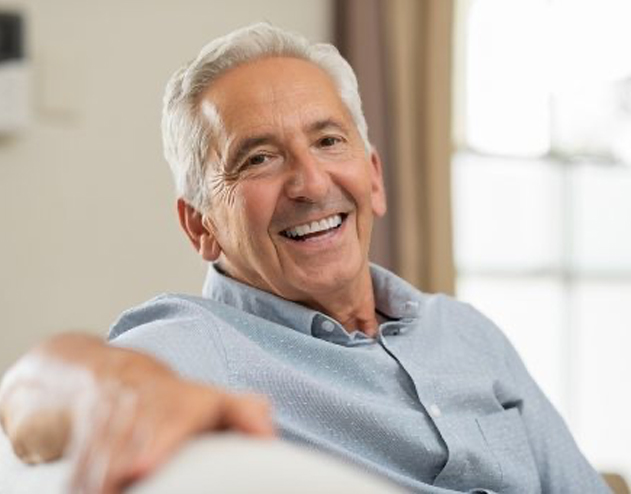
(329,141)
(256,159)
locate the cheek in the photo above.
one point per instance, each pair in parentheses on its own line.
(355,179)
(256,204)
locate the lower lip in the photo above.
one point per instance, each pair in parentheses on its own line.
(319,241)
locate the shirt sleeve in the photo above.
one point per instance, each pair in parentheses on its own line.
(562,467)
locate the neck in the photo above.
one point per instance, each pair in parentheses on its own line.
(353,307)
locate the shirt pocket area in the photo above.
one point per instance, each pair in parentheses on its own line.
(505,436)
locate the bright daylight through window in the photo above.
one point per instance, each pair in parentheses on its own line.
(542,187)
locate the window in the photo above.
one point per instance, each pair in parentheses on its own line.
(542,199)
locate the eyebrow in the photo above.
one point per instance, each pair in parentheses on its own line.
(252,142)
(249,143)
(327,123)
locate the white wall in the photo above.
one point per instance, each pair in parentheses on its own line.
(87,218)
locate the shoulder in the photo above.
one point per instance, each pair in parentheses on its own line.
(163,311)
(183,331)
(460,322)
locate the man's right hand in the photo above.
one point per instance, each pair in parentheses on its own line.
(116,413)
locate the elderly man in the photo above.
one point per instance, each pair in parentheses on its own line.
(278,186)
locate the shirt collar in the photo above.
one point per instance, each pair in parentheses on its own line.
(394,298)
(229,291)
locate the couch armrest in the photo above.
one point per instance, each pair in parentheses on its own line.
(227,463)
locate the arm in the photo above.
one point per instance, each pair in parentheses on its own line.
(118,413)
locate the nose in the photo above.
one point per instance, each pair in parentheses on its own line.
(308,179)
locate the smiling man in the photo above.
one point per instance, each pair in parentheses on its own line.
(294,189)
(278,187)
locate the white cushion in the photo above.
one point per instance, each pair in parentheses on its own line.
(225,463)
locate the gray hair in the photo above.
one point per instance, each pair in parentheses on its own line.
(187,134)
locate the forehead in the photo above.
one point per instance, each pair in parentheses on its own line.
(271,91)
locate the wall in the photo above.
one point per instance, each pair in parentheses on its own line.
(87,219)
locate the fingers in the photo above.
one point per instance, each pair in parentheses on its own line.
(41,437)
(3,417)
(103,438)
(128,412)
(202,409)
(127,433)
(38,428)
(35,405)
(249,414)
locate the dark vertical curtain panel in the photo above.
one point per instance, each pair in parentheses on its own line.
(401,51)
(360,37)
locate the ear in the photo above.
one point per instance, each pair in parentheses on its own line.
(378,196)
(199,230)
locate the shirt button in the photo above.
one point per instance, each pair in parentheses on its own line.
(328,326)
(435,411)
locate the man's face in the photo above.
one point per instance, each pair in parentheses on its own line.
(294,199)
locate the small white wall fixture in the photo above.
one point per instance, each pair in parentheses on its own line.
(14,75)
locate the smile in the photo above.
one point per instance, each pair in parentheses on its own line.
(315,228)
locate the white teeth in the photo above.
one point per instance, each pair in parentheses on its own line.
(314,226)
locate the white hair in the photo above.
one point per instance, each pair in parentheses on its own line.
(188,134)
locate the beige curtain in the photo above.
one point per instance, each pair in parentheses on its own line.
(402,53)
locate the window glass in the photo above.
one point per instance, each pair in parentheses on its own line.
(601,213)
(542,201)
(593,121)
(507,214)
(508,110)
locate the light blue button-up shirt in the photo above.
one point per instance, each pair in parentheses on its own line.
(438,402)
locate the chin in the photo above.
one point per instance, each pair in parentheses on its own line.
(328,277)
